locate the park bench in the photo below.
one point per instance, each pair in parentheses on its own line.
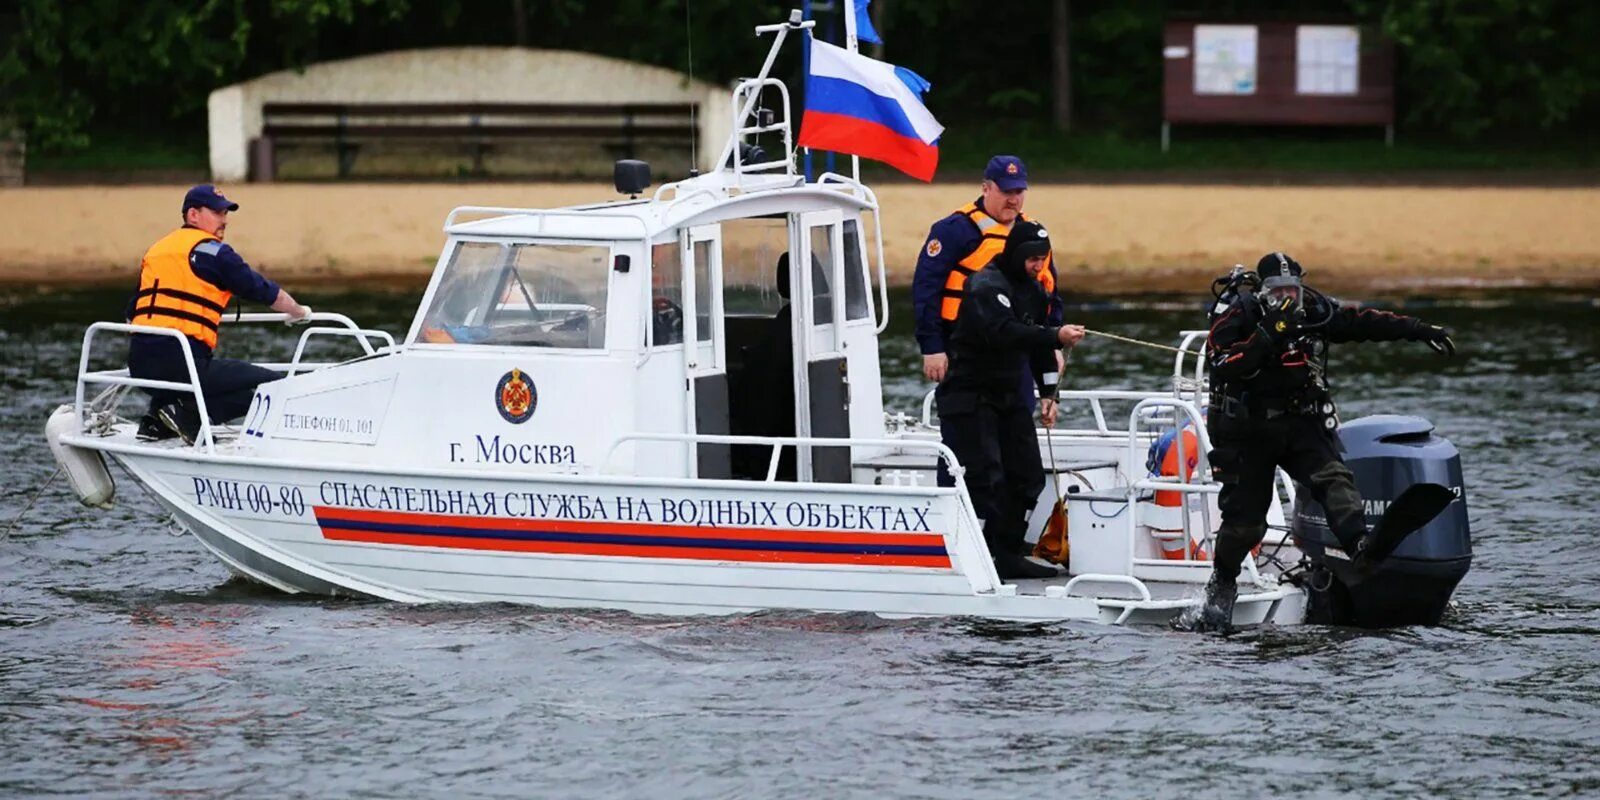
(619,128)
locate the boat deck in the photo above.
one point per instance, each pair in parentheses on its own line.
(1159,590)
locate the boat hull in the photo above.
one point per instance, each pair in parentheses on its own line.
(647,546)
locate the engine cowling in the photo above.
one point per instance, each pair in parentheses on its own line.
(1389,453)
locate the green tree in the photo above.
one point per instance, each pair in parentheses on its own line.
(1472,66)
(62,65)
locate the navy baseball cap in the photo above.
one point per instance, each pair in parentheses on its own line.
(206,196)
(1007,172)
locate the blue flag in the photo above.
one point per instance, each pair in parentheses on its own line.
(864,30)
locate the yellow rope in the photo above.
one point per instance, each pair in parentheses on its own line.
(1167,347)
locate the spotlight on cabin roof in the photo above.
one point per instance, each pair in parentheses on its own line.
(631,176)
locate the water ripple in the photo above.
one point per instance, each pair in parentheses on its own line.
(131,665)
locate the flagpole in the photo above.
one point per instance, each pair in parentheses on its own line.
(805,68)
(854,46)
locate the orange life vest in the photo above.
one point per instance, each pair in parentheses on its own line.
(172,296)
(993,240)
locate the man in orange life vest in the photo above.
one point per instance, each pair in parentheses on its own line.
(960,245)
(957,247)
(185,282)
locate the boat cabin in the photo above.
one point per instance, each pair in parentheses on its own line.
(679,314)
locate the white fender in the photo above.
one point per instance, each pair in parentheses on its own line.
(85,469)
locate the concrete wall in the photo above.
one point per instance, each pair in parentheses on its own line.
(459,75)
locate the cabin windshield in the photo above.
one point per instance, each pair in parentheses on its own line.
(529,295)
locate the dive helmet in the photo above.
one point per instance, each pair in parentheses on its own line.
(1281,277)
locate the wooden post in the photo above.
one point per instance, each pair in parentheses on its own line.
(1061,63)
(519,22)
(13,155)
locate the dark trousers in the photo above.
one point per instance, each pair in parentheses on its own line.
(995,440)
(1027,395)
(227,384)
(1245,454)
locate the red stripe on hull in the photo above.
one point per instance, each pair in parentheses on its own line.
(327,514)
(638,551)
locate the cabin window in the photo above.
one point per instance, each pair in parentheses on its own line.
(855,274)
(751,250)
(533,295)
(666,294)
(702,290)
(821,274)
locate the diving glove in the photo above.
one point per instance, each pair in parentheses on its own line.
(1437,338)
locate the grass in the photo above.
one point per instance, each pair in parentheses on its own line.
(120,152)
(967,146)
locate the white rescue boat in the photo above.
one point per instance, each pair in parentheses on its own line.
(584,414)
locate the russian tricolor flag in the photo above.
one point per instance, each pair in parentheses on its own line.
(865,107)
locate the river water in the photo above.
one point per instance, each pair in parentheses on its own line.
(131,666)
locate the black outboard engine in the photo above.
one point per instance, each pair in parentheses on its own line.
(1412,587)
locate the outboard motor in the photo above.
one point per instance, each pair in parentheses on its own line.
(1388,453)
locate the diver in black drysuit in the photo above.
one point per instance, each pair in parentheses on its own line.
(998,332)
(1270,407)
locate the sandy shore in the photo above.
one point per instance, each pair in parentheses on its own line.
(1109,239)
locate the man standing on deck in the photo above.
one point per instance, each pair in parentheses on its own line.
(999,344)
(957,247)
(1270,407)
(185,282)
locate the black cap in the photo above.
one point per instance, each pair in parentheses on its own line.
(1026,240)
(1007,172)
(206,196)
(1275,264)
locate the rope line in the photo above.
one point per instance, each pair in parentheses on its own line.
(1142,342)
(18,518)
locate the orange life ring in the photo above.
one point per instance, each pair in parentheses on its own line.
(1175,549)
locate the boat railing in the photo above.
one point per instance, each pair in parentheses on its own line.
(1193,385)
(833,179)
(777,443)
(363,336)
(745,100)
(347,328)
(753,88)
(1174,413)
(121,377)
(206,437)
(541,216)
(1094,398)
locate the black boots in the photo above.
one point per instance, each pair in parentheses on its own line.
(1006,545)
(1217,613)
(1010,566)
(179,419)
(151,430)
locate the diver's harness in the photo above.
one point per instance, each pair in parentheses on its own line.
(1311,400)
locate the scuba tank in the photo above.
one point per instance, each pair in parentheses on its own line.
(1227,289)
